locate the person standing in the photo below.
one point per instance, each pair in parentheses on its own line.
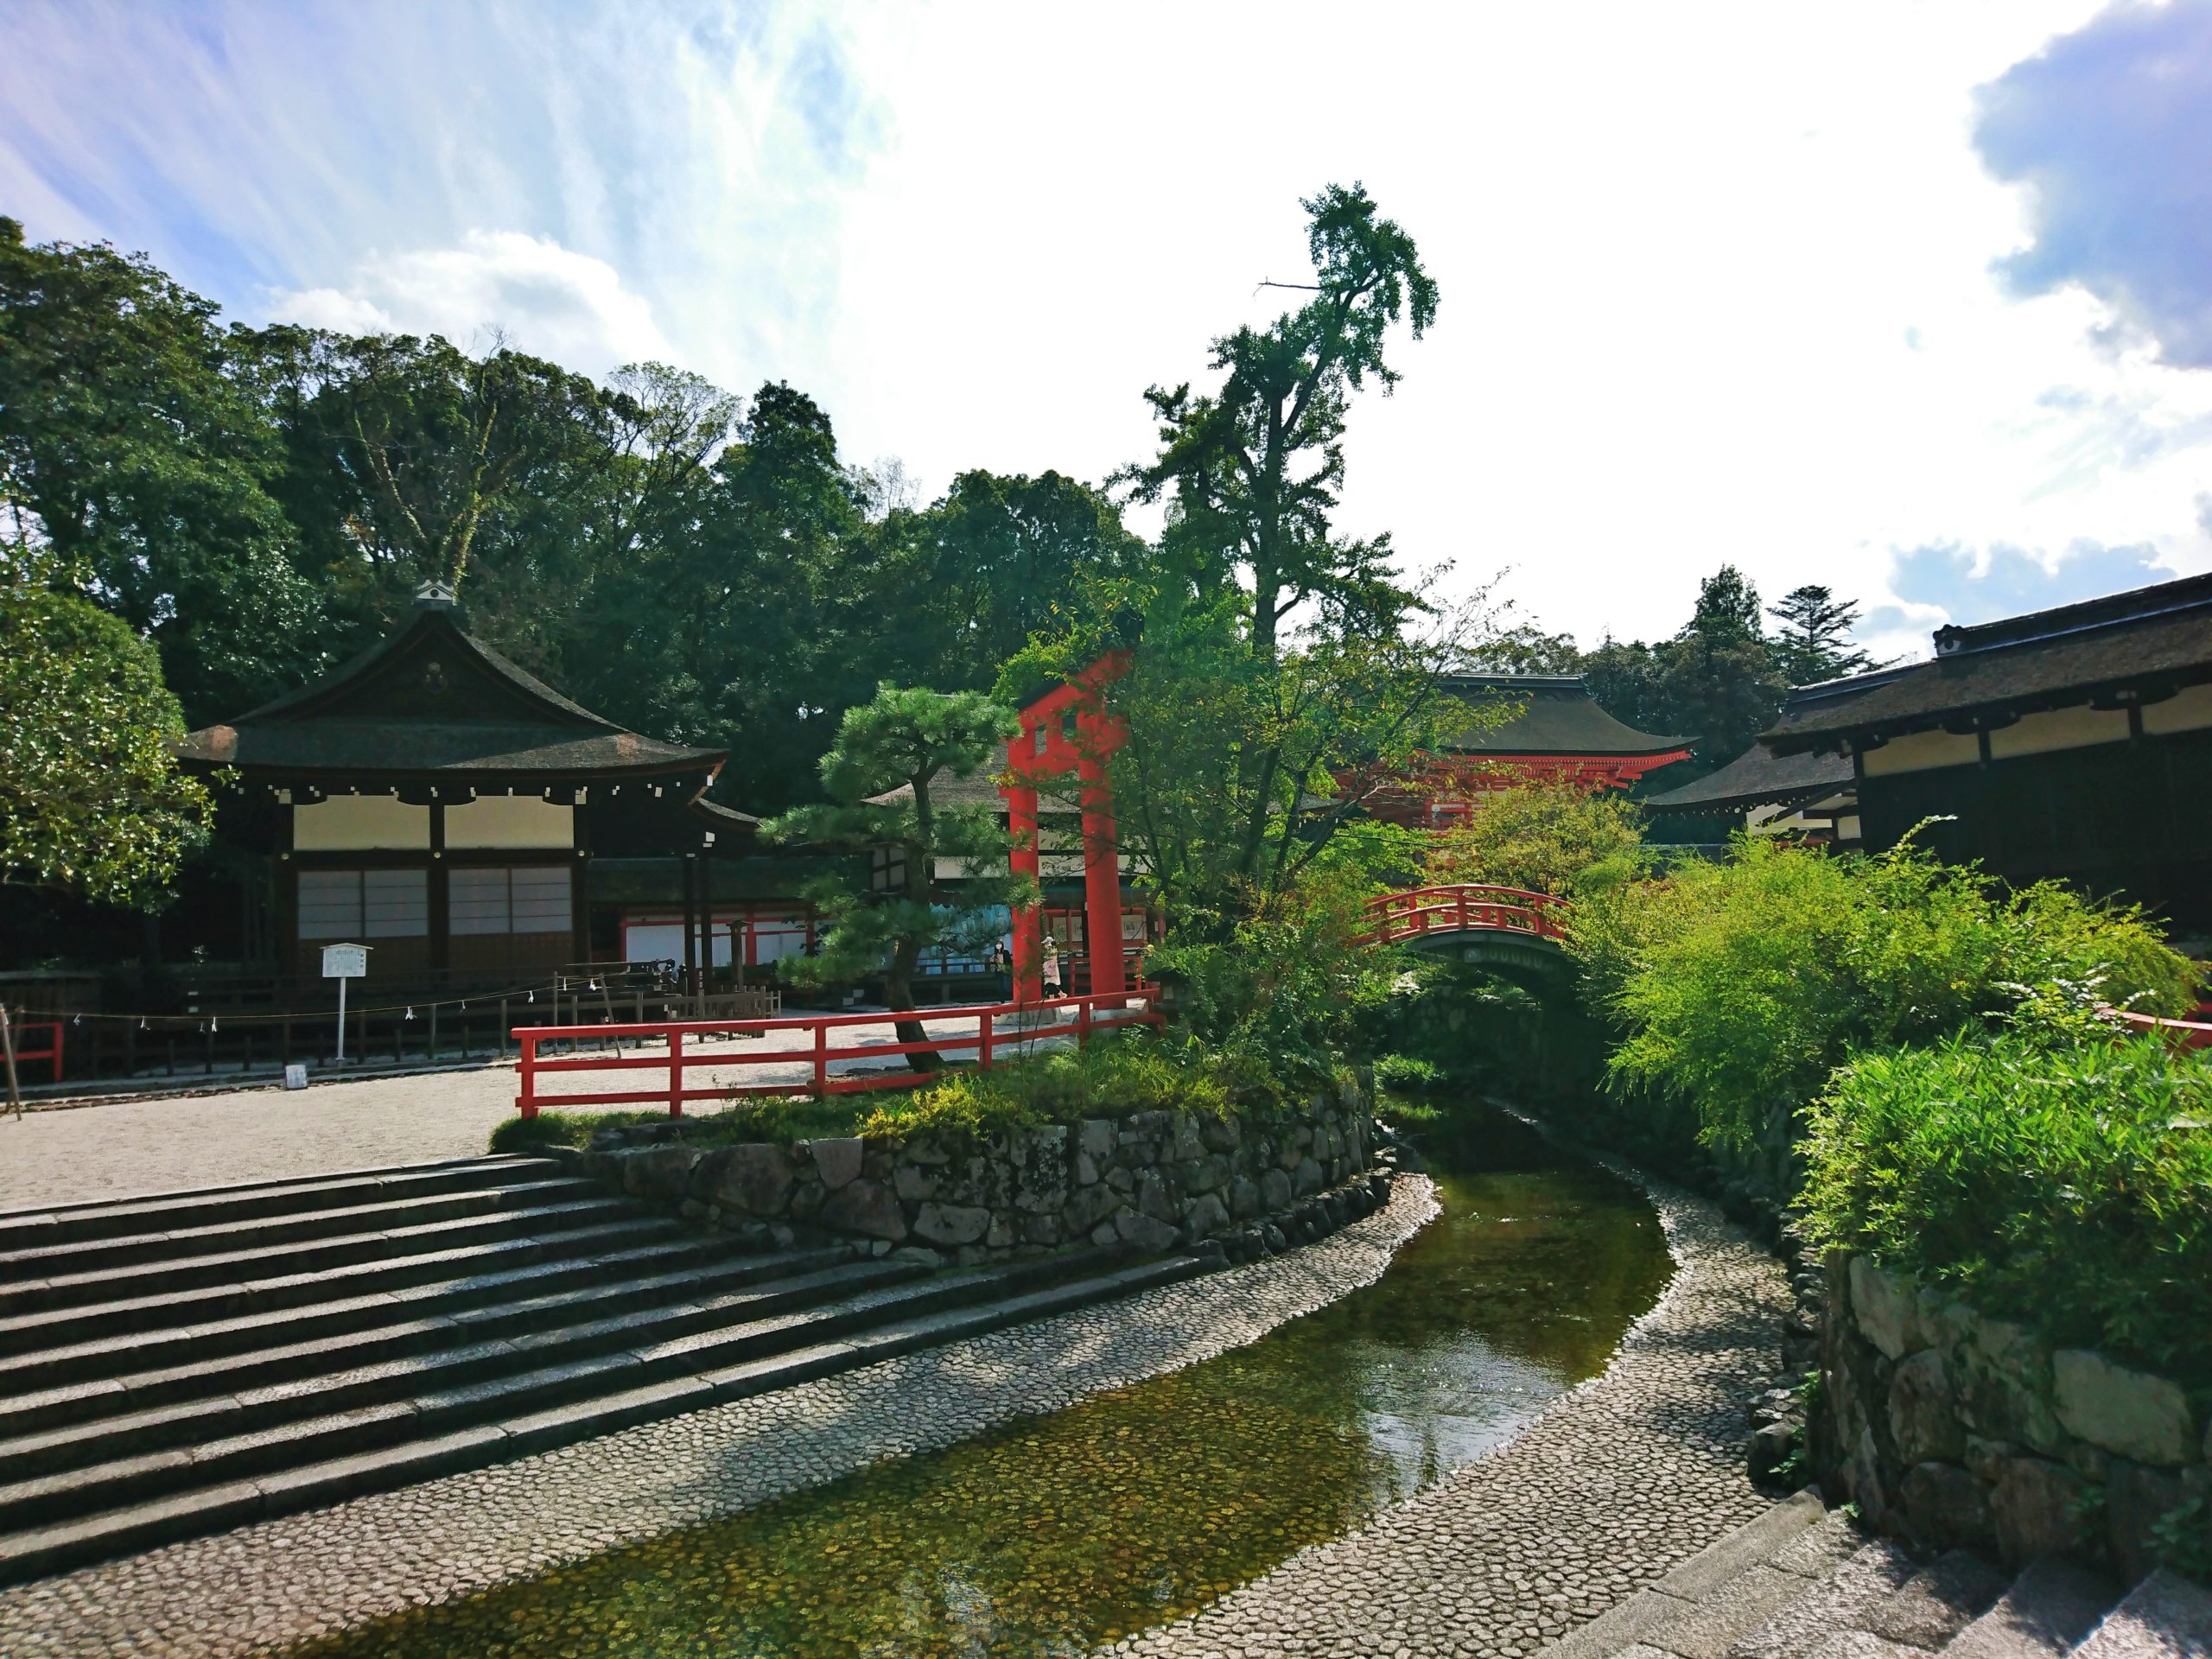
(1051,967)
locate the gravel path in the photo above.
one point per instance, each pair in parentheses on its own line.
(283,1581)
(1617,1483)
(123,1148)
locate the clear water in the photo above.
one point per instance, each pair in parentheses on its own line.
(1054,1534)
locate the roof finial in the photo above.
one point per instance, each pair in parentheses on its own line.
(433,596)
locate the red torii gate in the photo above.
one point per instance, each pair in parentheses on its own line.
(1070,730)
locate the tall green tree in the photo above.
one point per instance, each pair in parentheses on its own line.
(1716,681)
(879,776)
(129,433)
(1813,642)
(1000,558)
(1252,470)
(91,799)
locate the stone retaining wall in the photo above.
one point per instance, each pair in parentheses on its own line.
(1155,1180)
(1953,1429)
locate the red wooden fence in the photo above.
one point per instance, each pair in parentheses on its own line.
(1409,915)
(2181,1033)
(51,1052)
(990,1030)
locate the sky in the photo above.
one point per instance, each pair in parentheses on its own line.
(1912,298)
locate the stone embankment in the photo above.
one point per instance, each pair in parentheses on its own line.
(1955,1430)
(1153,1181)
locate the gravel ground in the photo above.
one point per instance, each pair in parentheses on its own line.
(123,1148)
(283,1581)
(1618,1483)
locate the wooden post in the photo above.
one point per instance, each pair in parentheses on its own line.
(433,1034)
(526,1100)
(983,1041)
(8,1042)
(676,1071)
(503,1028)
(822,1062)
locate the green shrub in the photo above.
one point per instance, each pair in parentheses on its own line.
(1544,836)
(1406,1072)
(1738,986)
(2068,1187)
(1134,1072)
(1281,1002)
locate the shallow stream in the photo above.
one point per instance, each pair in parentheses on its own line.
(1054,1534)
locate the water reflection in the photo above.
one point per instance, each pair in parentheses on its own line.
(1054,1534)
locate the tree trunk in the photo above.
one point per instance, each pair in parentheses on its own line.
(899,997)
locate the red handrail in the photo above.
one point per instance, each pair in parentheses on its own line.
(51,1052)
(1465,908)
(982,1031)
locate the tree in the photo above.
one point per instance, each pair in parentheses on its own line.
(1814,643)
(91,798)
(435,442)
(128,431)
(1253,468)
(1715,683)
(998,558)
(1543,837)
(1523,648)
(879,776)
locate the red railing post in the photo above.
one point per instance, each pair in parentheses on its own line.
(983,1040)
(676,1071)
(526,1102)
(822,1061)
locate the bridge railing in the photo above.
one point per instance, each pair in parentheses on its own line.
(987,1030)
(1463,909)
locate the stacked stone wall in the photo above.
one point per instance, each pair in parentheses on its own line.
(1151,1180)
(1952,1429)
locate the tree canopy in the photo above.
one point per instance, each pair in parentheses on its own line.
(91,799)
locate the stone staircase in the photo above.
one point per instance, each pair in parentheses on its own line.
(1799,1583)
(184,1363)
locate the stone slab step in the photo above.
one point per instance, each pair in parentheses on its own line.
(1871,1575)
(411,1324)
(101,1218)
(2048,1608)
(1706,1575)
(254,1428)
(2166,1617)
(223,1504)
(1938,1602)
(247,1295)
(305,1256)
(378,1212)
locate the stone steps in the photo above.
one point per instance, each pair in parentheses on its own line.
(1798,1583)
(175,1366)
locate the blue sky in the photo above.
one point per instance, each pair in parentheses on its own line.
(1914,300)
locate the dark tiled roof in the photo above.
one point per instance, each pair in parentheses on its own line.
(979,788)
(1758,777)
(430,698)
(2154,639)
(1557,717)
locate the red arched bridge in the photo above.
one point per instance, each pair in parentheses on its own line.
(1451,914)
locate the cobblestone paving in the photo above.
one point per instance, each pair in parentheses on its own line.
(285,1579)
(1619,1482)
(123,1148)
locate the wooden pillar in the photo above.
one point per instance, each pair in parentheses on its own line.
(441,917)
(1102,860)
(691,986)
(1021,794)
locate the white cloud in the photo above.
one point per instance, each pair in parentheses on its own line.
(543,298)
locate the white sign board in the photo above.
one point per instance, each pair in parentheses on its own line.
(345,961)
(296,1076)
